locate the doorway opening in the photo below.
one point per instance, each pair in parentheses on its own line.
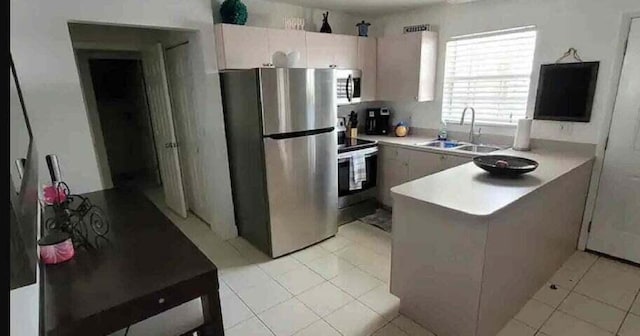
(137,86)
(125,121)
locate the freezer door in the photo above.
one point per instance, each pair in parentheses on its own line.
(302,190)
(295,100)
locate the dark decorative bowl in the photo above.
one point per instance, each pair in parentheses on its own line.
(504,165)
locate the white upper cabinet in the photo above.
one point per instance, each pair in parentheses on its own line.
(287,41)
(241,47)
(407,67)
(367,55)
(332,51)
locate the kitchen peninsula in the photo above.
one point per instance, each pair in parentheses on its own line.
(469,249)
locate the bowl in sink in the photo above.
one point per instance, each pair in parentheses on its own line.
(505,165)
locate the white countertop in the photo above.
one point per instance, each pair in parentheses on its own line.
(471,190)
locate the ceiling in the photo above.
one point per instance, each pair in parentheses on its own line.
(365,7)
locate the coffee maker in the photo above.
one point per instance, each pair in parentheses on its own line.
(377,122)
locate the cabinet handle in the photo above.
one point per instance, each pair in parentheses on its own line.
(333,66)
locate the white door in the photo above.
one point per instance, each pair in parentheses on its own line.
(165,136)
(615,228)
(186,120)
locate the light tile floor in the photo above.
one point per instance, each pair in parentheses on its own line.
(340,287)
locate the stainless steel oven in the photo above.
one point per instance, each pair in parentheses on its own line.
(349,84)
(353,204)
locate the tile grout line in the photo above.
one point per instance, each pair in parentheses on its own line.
(627,314)
(555,309)
(251,263)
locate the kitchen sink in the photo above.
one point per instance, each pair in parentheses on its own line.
(441,144)
(478,148)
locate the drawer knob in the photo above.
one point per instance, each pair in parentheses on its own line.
(161,301)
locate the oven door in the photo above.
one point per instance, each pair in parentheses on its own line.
(349,84)
(344,174)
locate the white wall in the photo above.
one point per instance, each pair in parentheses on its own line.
(590,26)
(271,14)
(43,55)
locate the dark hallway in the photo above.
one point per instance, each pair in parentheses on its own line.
(125,122)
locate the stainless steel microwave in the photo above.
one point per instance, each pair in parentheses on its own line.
(349,84)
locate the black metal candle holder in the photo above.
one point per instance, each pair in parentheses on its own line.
(75,215)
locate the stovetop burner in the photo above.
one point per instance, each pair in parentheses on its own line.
(355,144)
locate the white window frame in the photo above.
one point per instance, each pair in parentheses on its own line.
(450,114)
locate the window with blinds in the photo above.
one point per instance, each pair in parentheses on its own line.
(491,73)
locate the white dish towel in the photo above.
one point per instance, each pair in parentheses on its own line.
(358,167)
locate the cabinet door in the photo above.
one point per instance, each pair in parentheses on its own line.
(424,163)
(288,41)
(242,47)
(398,67)
(331,51)
(392,171)
(367,56)
(346,51)
(320,50)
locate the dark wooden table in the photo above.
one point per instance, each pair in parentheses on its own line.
(147,267)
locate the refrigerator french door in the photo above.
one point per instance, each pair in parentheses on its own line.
(282,153)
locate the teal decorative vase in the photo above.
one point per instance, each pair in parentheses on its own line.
(234,12)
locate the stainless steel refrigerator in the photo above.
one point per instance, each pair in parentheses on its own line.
(280,129)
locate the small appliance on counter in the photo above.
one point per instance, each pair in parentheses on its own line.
(377,122)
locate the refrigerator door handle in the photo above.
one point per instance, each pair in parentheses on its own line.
(300,133)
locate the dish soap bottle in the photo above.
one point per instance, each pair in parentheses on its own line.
(442,133)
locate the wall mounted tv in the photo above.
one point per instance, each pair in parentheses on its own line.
(565,91)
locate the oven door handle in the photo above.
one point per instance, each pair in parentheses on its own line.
(343,160)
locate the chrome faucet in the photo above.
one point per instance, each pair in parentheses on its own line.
(472,134)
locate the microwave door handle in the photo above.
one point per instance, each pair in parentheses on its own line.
(348,86)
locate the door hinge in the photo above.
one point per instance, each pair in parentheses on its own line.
(606,143)
(589,227)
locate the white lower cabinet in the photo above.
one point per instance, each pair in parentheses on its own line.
(400,165)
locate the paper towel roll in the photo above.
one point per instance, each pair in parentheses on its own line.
(523,135)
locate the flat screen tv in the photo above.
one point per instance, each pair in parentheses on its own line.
(23,190)
(565,91)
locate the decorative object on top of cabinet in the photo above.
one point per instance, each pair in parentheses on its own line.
(416,28)
(363,28)
(402,129)
(407,67)
(234,12)
(294,23)
(326,28)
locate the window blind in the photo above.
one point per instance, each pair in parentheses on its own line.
(491,73)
